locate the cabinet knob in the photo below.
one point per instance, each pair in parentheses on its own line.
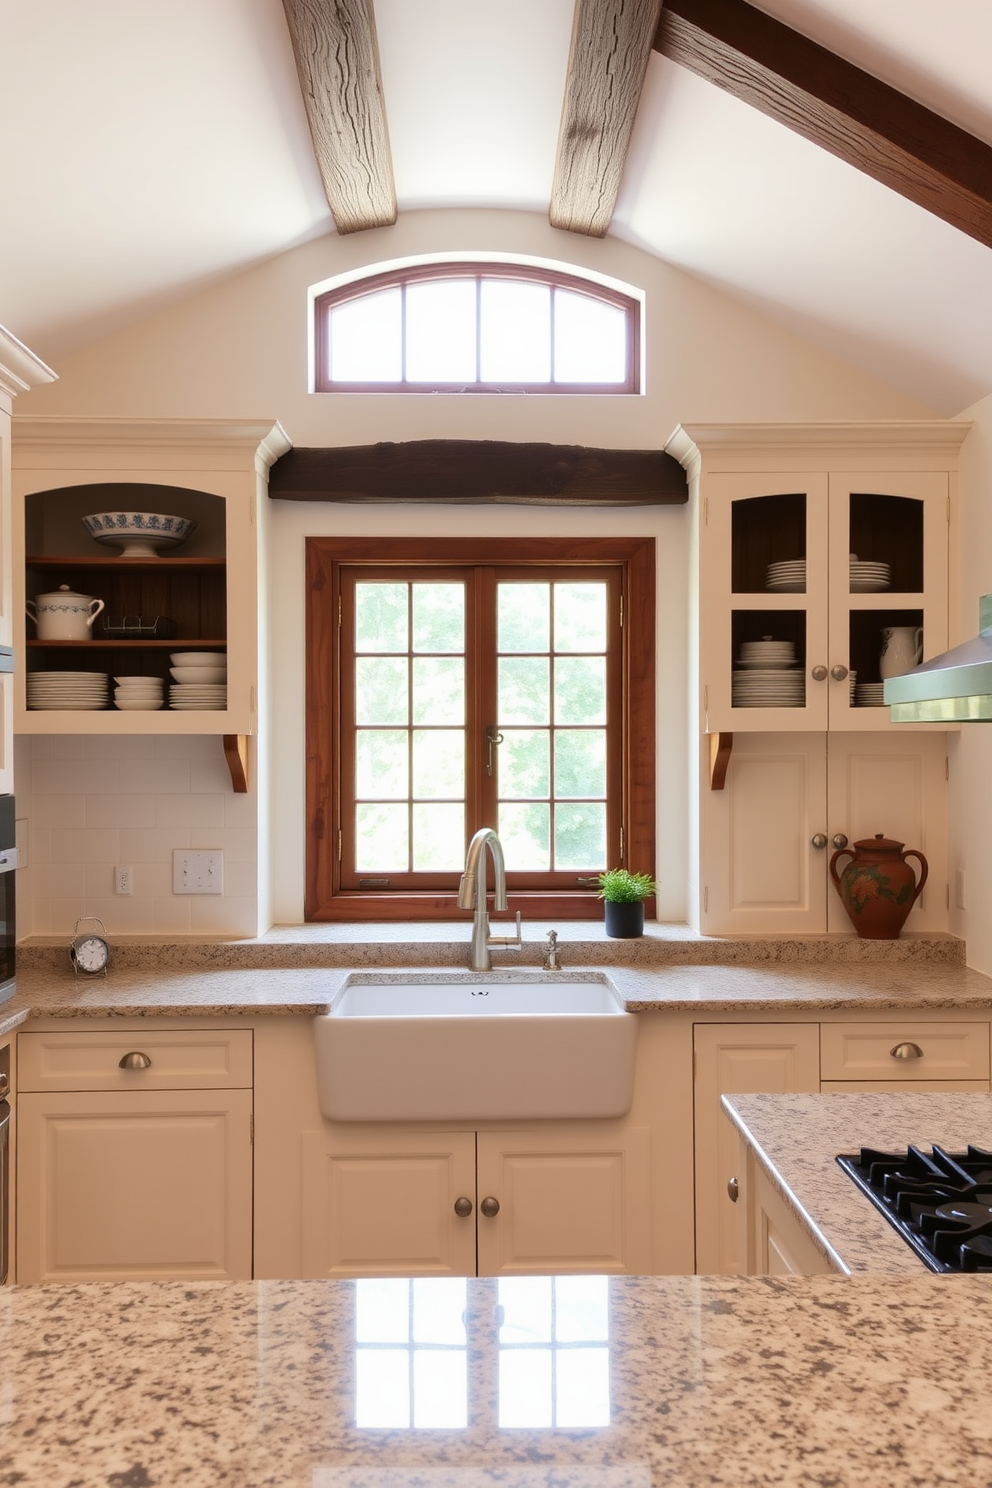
(906,1051)
(839,840)
(819,674)
(838,672)
(733,1189)
(490,1208)
(463,1208)
(135,1061)
(818,840)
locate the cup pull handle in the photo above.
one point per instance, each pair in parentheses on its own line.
(135,1061)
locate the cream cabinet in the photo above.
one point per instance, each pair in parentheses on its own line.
(771,1241)
(768,836)
(199,596)
(134,1155)
(738,1059)
(562,1197)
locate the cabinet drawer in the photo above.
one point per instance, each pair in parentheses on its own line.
(864,1051)
(205,1059)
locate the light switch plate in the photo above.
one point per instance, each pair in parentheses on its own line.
(198,871)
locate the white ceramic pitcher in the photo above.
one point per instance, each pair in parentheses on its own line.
(902,649)
(63,616)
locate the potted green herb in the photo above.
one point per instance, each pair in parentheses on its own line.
(623,894)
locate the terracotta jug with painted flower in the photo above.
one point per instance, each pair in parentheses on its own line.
(878,888)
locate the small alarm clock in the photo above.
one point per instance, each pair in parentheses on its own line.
(88,951)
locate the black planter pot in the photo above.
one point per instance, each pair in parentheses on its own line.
(624,921)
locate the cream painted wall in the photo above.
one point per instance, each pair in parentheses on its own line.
(239,349)
(970,751)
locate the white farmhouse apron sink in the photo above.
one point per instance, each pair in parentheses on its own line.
(474,1047)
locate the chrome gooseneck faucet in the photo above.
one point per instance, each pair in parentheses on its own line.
(472,895)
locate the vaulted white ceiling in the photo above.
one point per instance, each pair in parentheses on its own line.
(153,146)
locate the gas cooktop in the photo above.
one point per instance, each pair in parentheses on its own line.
(940,1202)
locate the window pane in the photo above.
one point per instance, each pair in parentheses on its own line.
(439,689)
(382,768)
(380,690)
(580,617)
(382,1388)
(580,762)
(439,617)
(439,764)
(516,331)
(582,1387)
(580,836)
(580,689)
(523,764)
(523,690)
(582,1309)
(440,331)
(523,617)
(440,1390)
(380,617)
(438,838)
(365,339)
(382,1310)
(381,839)
(525,834)
(526,1304)
(525,1387)
(590,339)
(439,1310)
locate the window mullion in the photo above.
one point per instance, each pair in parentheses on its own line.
(485,695)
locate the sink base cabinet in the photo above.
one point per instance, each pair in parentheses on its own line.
(382,1201)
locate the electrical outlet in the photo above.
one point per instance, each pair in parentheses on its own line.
(198,872)
(123,879)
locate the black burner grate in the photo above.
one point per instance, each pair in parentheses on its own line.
(940,1203)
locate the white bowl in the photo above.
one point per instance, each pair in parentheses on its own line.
(136,705)
(139,681)
(140,534)
(198,674)
(198,658)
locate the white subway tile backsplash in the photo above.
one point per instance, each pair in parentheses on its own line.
(152,845)
(239,879)
(87,845)
(225,916)
(75,777)
(58,811)
(124,746)
(67,880)
(199,812)
(170,915)
(154,777)
(240,846)
(120,811)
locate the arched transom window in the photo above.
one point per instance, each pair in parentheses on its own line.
(476,328)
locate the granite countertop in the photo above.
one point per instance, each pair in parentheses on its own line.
(711,1381)
(795,1139)
(277,975)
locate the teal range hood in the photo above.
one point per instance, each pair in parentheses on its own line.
(955,687)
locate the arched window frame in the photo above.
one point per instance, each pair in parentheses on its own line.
(403,276)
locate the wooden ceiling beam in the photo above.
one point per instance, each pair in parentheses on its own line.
(865,122)
(611,47)
(337,58)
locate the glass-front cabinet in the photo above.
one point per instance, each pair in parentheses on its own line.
(817,584)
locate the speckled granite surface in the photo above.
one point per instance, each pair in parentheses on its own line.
(797,1137)
(819,1383)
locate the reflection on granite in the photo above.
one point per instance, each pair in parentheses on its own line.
(713,1381)
(796,1138)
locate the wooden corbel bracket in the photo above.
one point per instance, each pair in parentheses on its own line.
(236,754)
(721,746)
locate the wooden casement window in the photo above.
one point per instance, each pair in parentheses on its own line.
(459,683)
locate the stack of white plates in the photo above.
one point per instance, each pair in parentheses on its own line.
(82,690)
(767,654)
(869,695)
(868,577)
(138,694)
(853,676)
(200,680)
(769,689)
(787,577)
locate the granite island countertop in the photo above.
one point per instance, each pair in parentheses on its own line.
(796,1139)
(185,981)
(878,1381)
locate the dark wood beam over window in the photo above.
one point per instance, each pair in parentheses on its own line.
(611,45)
(337,58)
(836,105)
(474,472)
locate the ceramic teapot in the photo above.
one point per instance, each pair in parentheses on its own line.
(878,887)
(63,616)
(902,649)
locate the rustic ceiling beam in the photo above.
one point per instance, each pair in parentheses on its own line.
(337,58)
(865,122)
(486,471)
(611,46)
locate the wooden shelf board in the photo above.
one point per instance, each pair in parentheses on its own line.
(101,643)
(130,565)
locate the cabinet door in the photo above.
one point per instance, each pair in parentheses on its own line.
(571,1199)
(134,1186)
(761,873)
(899,520)
(894,784)
(751,526)
(738,1059)
(381,1202)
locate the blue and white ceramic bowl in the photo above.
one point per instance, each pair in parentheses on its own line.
(140,534)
